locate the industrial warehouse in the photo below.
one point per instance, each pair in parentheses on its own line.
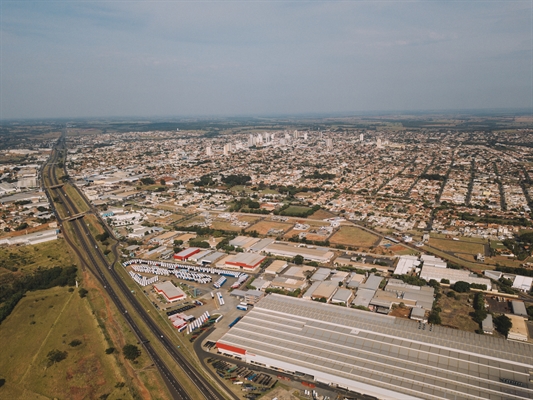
(378,355)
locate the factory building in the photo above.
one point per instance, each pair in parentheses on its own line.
(378,355)
(169,291)
(247,261)
(283,250)
(187,253)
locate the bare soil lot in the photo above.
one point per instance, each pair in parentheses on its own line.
(353,236)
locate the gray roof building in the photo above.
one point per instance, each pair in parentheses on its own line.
(519,308)
(381,356)
(487,325)
(342,296)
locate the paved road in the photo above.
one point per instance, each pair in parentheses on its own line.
(94,262)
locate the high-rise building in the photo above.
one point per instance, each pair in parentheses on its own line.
(227,149)
(251,140)
(295,134)
(320,135)
(378,142)
(305,135)
(259,139)
(361,137)
(329,143)
(208,151)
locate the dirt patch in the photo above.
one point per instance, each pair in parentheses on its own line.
(456,312)
(400,312)
(353,236)
(263,227)
(282,393)
(322,214)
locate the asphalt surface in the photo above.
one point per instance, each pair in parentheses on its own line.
(93,263)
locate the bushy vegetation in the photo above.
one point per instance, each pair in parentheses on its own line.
(199,243)
(12,292)
(480,313)
(518,271)
(234,180)
(323,176)
(461,287)
(411,280)
(503,324)
(55,356)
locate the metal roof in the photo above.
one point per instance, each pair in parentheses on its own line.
(380,353)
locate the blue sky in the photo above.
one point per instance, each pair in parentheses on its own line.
(179,58)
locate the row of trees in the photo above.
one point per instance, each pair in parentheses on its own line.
(12,292)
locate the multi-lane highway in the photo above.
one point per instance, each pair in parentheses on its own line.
(88,251)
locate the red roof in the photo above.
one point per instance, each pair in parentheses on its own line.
(230,348)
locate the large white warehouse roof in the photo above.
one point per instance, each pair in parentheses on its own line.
(386,357)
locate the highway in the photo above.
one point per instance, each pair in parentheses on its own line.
(94,260)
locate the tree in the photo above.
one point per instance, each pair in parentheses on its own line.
(503,324)
(55,356)
(162,182)
(75,343)
(110,350)
(298,259)
(131,352)
(83,292)
(434,318)
(461,287)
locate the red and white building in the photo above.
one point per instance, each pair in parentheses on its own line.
(187,253)
(245,261)
(169,291)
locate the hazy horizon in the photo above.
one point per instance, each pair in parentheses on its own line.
(228,59)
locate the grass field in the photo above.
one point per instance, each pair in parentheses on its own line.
(29,258)
(322,214)
(457,246)
(295,210)
(226,226)
(262,227)
(353,236)
(50,319)
(75,197)
(455,313)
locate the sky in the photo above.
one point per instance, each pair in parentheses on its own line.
(76,59)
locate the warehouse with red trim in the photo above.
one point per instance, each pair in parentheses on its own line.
(187,253)
(248,261)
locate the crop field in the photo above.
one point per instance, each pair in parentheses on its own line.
(456,313)
(262,227)
(353,236)
(457,246)
(50,320)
